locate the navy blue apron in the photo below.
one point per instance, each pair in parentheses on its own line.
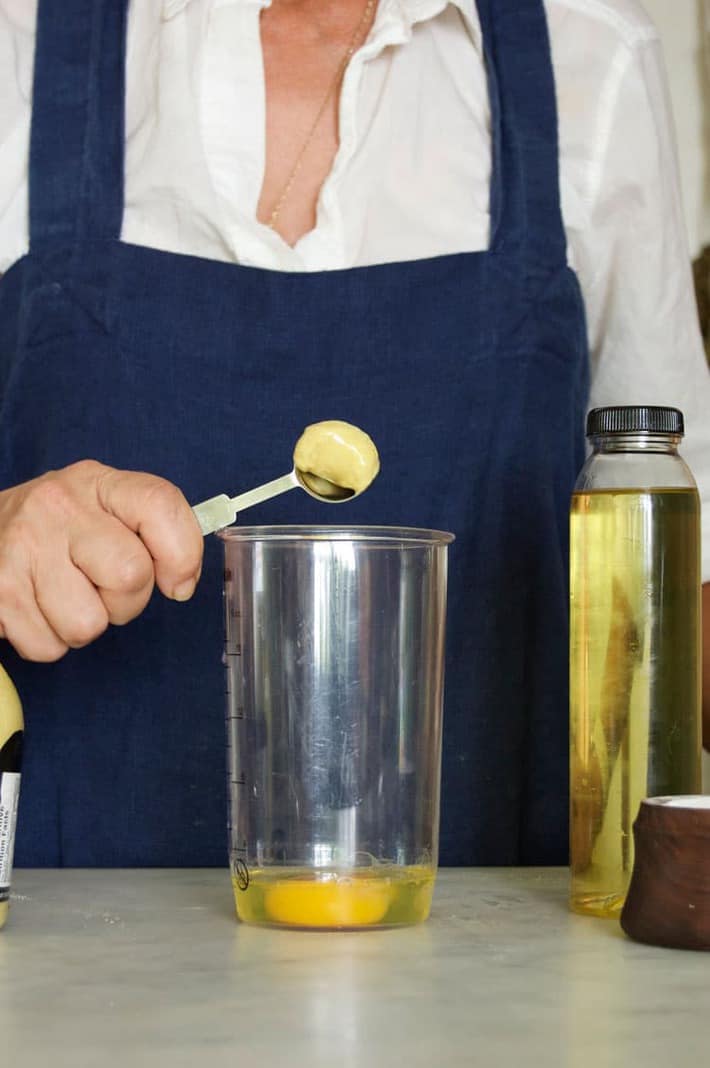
(468,370)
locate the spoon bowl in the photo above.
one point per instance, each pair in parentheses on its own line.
(322,489)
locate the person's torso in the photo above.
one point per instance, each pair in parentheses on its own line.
(412,172)
(470,371)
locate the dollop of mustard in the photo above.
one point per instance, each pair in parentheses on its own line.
(338,452)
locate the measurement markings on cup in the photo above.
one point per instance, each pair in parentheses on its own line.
(241,872)
(236,716)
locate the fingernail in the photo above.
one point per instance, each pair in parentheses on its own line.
(184,591)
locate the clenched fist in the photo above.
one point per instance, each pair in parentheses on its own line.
(83,547)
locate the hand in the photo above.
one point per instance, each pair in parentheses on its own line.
(83,547)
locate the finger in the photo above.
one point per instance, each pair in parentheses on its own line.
(24,625)
(109,554)
(117,563)
(158,512)
(121,607)
(68,601)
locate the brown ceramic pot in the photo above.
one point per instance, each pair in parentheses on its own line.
(668,903)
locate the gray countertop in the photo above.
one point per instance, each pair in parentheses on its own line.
(137,968)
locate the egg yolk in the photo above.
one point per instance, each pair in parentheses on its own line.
(331,903)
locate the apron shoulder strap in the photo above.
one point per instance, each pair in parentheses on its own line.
(526,215)
(77,134)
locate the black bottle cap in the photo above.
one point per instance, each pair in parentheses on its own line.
(635,419)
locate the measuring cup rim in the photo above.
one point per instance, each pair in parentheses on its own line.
(395,536)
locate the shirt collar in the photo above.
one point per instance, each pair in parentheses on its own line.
(420,10)
(171,8)
(402,14)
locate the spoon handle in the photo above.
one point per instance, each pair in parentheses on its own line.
(221,511)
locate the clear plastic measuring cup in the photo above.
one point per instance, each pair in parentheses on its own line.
(335,660)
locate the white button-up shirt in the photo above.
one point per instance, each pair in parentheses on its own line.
(412,173)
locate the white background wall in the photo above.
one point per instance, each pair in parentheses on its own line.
(683,25)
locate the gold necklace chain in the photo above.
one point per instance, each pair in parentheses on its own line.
(339,73)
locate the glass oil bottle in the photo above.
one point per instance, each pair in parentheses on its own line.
(635,633)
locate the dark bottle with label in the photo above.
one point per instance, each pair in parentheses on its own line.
(11,726)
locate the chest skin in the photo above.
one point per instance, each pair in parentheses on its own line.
(304,43)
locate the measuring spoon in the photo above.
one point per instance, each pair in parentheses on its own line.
(221,511)
(339,449)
